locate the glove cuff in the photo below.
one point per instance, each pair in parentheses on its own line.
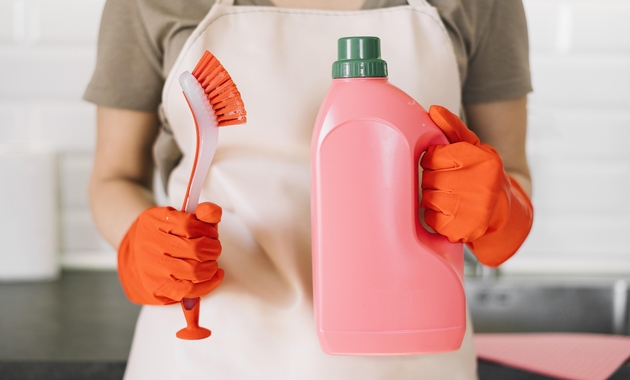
(128,272)
(508,229)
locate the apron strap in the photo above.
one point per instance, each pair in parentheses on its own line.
(227,3)
(417,3)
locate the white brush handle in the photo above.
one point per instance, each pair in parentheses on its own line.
(207,137)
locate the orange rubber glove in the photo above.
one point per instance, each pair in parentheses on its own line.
(167,255)
(468,197)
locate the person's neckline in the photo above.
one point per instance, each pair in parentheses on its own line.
(368,4)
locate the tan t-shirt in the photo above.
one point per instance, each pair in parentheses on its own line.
(139,42)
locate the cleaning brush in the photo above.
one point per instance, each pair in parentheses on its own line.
(214,102)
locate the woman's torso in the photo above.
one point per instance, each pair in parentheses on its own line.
(263,313)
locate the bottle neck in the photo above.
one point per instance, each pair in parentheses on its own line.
(355,79)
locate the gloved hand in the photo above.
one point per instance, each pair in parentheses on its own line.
(167,255)
(469,198)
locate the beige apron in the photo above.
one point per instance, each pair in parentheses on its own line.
(262,315)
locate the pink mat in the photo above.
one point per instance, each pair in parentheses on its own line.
(561,355)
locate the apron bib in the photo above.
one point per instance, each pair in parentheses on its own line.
(261,317)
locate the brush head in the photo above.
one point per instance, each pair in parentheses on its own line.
(220,90)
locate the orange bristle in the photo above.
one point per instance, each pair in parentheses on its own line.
(221,91)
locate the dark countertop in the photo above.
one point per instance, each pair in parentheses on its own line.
(81,326)
(82,316)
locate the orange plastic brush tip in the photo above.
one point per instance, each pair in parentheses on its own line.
(221,91)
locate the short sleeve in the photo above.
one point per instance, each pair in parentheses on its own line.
(498,63)
(128,66)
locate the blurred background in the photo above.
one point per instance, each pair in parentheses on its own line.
(578,131)
(579,128)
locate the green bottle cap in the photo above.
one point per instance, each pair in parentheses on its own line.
(359,57)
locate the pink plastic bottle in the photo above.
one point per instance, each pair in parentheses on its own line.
(383,285)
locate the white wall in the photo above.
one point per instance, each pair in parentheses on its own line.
(579,137)
(47,55)
(578,140)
